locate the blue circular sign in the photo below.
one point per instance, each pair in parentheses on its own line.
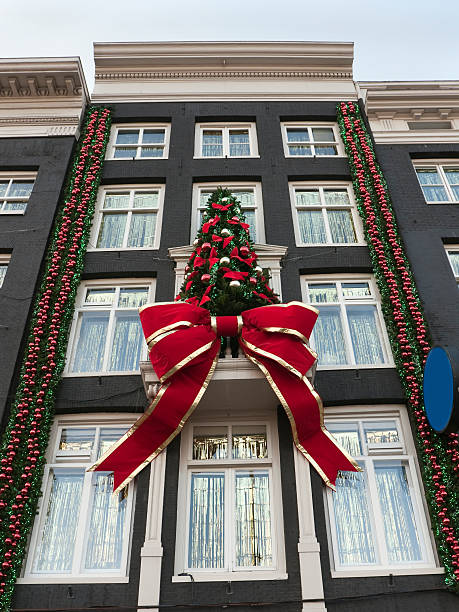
(441,392)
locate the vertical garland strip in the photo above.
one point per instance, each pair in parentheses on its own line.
(439,456)
(26,436)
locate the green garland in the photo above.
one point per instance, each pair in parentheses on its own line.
(26,436)
(407,328)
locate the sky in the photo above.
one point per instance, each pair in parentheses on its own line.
(394,39)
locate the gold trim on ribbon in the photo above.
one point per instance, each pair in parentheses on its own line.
(185,361)
(213,324)
(167,328)
(142,308)
(160,448)
(286,330)
(240,324)
(295,303)
(274,357)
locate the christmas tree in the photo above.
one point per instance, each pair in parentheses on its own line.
(222,274)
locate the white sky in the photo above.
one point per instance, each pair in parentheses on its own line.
(394,39)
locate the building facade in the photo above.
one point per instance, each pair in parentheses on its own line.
(230,515)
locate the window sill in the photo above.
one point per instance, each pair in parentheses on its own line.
(228,157)
(93,374)
(131,158)
(341,155)
(68,579)
(370,366)
(395,571)
(232,576)
(124,249)
(455,202)
(330,244)
(12,212)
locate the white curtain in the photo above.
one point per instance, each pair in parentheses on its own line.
(89,354)
(3,269)
(239,143)
(452,176)
(341,226)
(212,144)
(207,525)
(127,342)
(312,226)
(142,230)
(328,337)
(432,185)
(111,232)
(253,520)
(364,334)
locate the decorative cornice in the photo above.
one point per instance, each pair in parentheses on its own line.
(224,74)
(264,251)
(20,120)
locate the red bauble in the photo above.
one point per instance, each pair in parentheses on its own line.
(205,278)
(206,246)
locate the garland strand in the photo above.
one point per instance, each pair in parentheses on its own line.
(27,432)
(407,328)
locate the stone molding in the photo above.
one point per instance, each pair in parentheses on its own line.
(223,74)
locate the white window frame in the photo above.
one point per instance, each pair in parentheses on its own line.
(374,299)
(452,248)
(129,212)
(309,125)
(321,186)
(431,164)
(108,420)
(16,176)
(405,452)
(137,126)
(270,464)
(225,128)
(255,186)
(117,283)
(5,259)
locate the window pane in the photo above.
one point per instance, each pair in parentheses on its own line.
(250,219)
(299,150)
(323,135)
(323,292)
(383,432)
(356,290)
(3,187)
(435,194)
(100,296)
(364,334)
(3,269)
(127,342)
(253,520)
(207,521)
(239,144)
(108,436)
(144,199)
(352,518)
(402,539)
(89,354)
(297,135)
(307,197)
(77,440)
(454,260)
(246,198)
(15,206)
(212,143)
(325,150)
(116,200)
(106,526)
(312,227)
(127,137)
(56,544)
(142,230)
(341,226)
(328,337)
(152,152)
(203,198)
(111,232)
(153,136)
(250,444)
(347,436)
(125,152)
(210,443)
(336,196)
(133,297)
(20,189)
(428,176)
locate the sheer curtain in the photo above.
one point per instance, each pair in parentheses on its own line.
(432,185)
(341,226)
(312,226)
(55,549)
(253,520)
(364,334)
(402,540)
(212,144)
(239,144)
(127,342)
(452,176)
(89,354)
(3,269)
(142,230)
(328,337)
(111,232)
(206,547)
(106,526)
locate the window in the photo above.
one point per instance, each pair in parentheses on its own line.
(129,218)
(324,214)
(15,191)
(82,529)
(106,335)
(376,517)
(4,261)
(429,125)
(230,522)
(308,140)
(453,256)
(350,328)
(249,195)
(139,141)
(439,183)
(229,140)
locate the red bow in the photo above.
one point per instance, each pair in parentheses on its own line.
(184,343)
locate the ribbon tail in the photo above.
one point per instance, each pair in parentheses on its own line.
(162,421)
(305,412)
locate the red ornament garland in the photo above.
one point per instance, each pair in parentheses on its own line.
(410,343)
